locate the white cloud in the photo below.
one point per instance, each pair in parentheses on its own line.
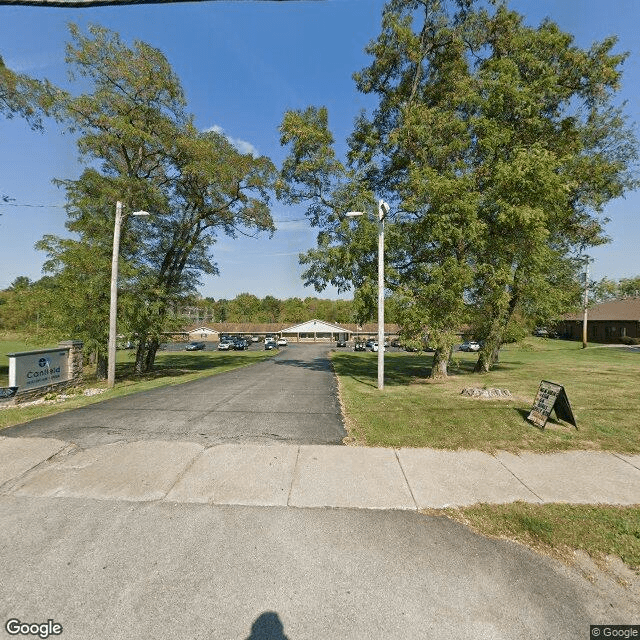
(241,145)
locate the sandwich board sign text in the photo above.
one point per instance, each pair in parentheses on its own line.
(551,397)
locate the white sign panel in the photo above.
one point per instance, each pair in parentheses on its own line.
(33,369)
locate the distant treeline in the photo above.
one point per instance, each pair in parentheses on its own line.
(247,307)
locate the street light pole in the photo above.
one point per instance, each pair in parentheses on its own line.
(585,303)
(383,210)
(113,304)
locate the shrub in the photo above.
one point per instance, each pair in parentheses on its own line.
(629,340)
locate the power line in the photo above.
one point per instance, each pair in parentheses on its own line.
(37,206)
(62,206)
(109,3)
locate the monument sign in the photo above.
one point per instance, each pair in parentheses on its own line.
(33,369)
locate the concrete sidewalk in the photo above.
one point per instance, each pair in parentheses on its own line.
(312,475)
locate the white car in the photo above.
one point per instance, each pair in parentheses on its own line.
(282,342)
(470,346)
(224,346)
(374,347)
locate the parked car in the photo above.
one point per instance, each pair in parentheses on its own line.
(255,339)
(269,344)
(541,332)
(369,344)
(196,346)
(282,342)
(341,343)
(359,346)
(470,346)
(374,347)
(224,345)
(240,344)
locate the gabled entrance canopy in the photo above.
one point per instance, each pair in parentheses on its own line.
(316,330)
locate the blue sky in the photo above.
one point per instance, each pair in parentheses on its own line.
(243,64)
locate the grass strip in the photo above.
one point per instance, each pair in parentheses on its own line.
(559,529)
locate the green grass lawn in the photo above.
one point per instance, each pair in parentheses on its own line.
(602,384)
(171,367)
(558,529)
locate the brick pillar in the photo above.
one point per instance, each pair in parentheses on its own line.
(75,358)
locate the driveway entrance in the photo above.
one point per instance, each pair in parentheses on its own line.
(290,398)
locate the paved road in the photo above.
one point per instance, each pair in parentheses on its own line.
(290,398)
(128,571)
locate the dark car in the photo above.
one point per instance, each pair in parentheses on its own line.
(240,344)
(270,344)
(341,343)
(196,346)
(359,346)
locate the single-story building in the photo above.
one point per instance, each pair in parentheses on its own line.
(606,322)
(311,331)
(202,334)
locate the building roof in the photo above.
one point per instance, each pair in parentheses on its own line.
(321,326)
(239,327)
(627,309)
(315,326)
(201,329)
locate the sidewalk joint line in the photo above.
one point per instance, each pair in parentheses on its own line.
(406,479)
(293,475)
(615,455)
(519,480)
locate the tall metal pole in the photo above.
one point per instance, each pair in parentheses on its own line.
(113,306)
(585,304)
(380,296)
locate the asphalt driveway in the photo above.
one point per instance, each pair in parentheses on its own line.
(291,398)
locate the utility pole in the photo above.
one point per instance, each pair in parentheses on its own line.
(586,302)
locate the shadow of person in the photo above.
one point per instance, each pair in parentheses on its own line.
(267,626)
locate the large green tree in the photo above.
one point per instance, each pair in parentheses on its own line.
(141,147)
(497,145)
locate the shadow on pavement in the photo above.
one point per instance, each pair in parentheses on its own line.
(267,627)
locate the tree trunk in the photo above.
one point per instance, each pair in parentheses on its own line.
(440,364)
(483,365)
(101,366)
(150,357)
(140,355)
(490,353)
